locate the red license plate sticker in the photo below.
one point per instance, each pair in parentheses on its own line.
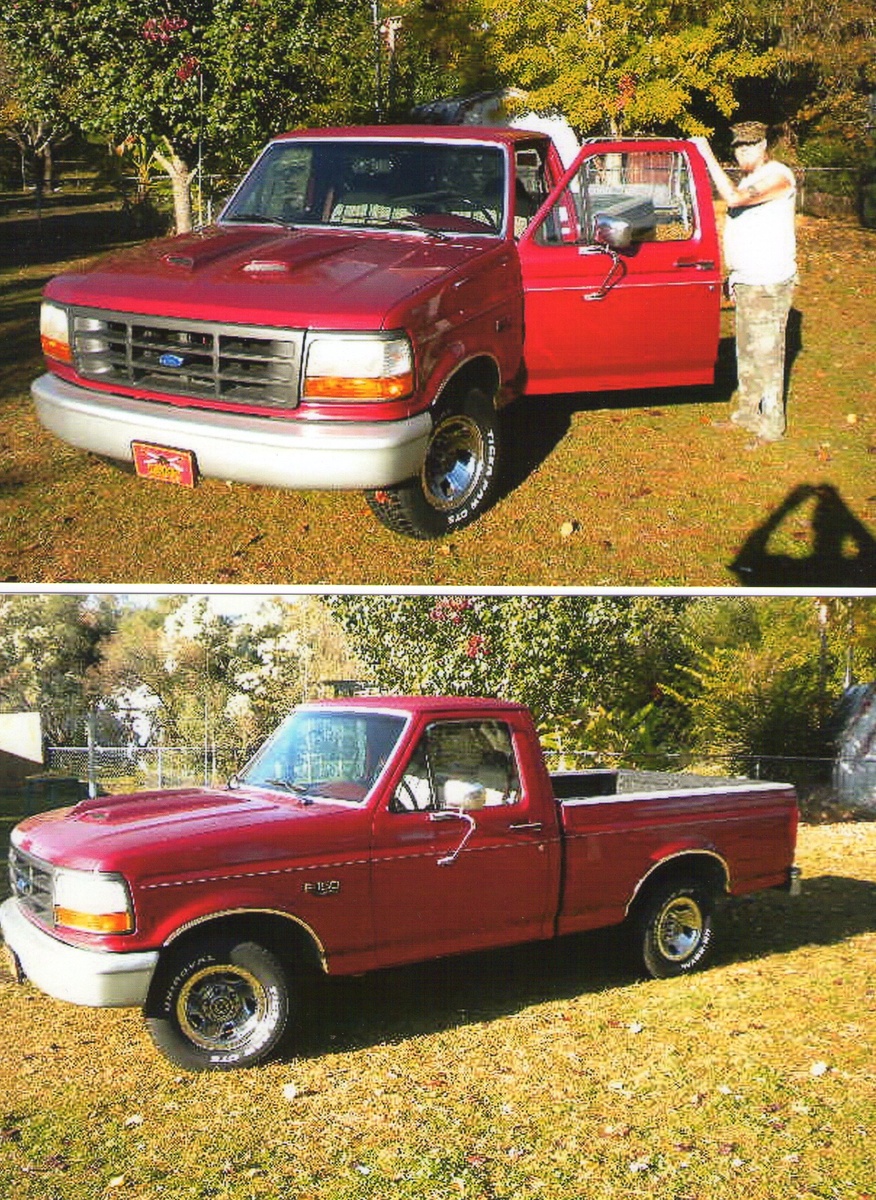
(165,464)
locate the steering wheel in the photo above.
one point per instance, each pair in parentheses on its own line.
(404,797)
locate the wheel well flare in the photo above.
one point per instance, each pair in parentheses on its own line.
(704,867)
(286,936)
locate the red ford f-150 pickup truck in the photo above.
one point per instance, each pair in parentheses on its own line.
(370,298)
(368,833)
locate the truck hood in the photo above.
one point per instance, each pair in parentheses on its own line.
(297,278)
(151,835)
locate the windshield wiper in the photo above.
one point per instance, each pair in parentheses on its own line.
(259,219)
(295,788)
(409,223)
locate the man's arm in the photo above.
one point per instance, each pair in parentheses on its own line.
(771,184)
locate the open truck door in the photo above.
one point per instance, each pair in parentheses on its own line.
(621,272)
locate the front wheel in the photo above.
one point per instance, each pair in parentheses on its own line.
(458,478)
(219,1006)
(675,930)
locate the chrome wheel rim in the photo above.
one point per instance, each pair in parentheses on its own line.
(454,463)
(679,929)
(220,1007)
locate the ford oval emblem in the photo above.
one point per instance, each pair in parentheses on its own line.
(172,360)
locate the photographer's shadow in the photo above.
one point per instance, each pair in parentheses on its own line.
(842,550)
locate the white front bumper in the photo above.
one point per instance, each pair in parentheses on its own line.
(274,451)
(93,977)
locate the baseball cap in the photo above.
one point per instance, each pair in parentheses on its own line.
(748,133)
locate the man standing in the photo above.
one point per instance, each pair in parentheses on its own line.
(760,253)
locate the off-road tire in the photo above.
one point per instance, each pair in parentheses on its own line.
(459,476)
(219,1005)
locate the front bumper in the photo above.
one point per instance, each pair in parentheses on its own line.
(93,977)
(274,451)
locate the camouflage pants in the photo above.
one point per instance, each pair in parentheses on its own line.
(761,323)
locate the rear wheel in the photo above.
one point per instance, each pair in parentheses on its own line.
(219,1006)
(459,474)
(675,929)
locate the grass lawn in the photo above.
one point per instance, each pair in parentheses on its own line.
(542,1071)
(626,489)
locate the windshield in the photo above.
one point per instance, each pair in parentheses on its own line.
(330,754)
(443,188)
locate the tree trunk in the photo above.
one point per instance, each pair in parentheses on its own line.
(180,178)
(48,168)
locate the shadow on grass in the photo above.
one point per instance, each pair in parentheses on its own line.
(842,551)
(534,426)
(57,236)
(396,1004)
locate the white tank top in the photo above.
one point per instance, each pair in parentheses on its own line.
(759,241)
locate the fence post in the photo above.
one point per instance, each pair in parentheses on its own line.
(92,764)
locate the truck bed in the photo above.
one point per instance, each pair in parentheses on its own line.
(600,782)
(618,826)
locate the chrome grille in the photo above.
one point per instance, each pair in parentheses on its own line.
(226,364)
(31,884)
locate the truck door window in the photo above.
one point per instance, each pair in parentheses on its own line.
(479,753)
(649,188)
(530,185)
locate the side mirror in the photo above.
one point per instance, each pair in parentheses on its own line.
(613,232)
(461,796)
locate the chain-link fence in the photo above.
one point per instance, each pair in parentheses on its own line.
(848,780)
(137,768)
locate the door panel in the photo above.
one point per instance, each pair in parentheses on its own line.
(446,880)
(643,316)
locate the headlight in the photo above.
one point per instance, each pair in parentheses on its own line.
(92,902)
(342,367)
(55,332)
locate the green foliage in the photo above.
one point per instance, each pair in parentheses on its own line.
(209,77)
(34,97)
(612,66)
(572,660)
(194,673)
(827,65)
(762,686)
(745,683)
(50,647)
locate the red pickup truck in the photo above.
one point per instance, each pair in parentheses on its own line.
(370,298)
(368,833)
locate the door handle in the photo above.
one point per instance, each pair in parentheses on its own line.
(525,827)
(695,264)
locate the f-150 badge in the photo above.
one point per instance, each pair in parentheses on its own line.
(323,887)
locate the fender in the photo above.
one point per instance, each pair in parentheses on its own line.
(337,923)
(672,854)
(452,328)
(209,918)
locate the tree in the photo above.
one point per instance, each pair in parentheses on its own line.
(211,77)
(827,64)
(195,673)
(50,650)
(615,66)
(763,684)
(592,669)
(433,49)
(33,105)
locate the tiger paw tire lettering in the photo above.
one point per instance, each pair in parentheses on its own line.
(676,930)
(459,476)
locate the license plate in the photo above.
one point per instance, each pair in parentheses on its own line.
(165,464)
